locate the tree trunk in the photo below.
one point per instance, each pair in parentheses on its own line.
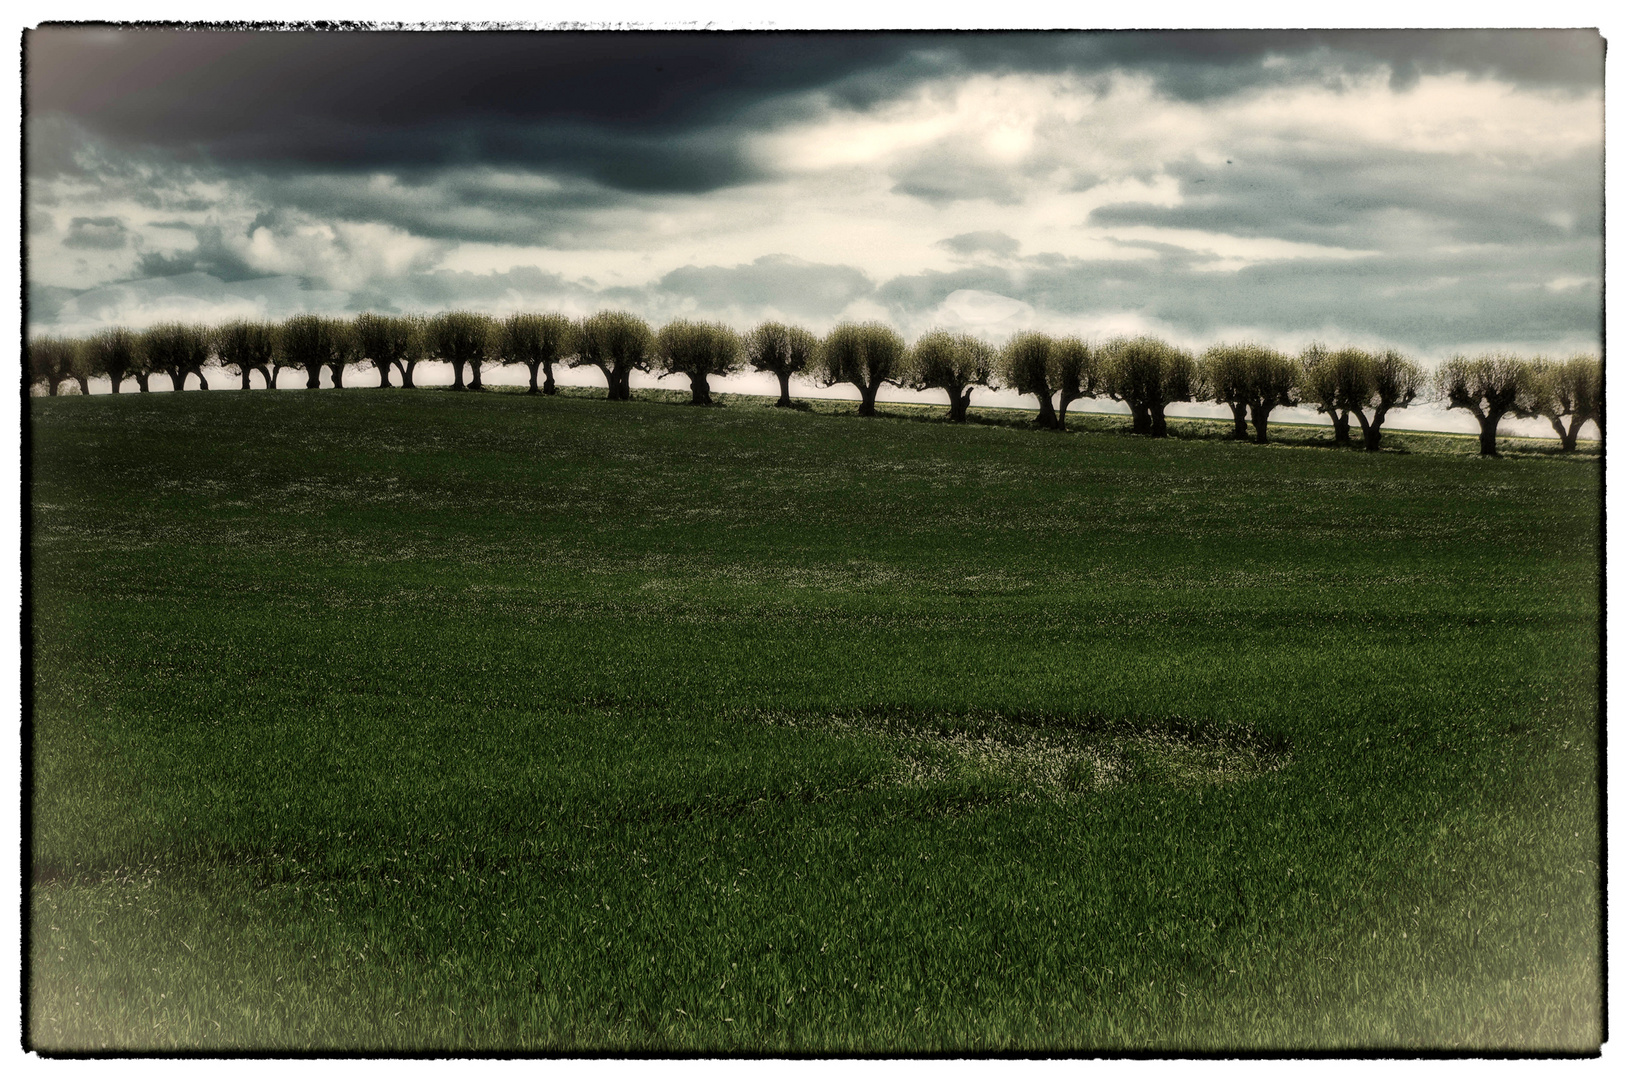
(268,378)
(1260,422)
(458,374)
(337,373)
(532,378)
(52,384)
(1339,426)
(405,369)
(384,374)
(1486,434)
(1239,409)
(141,381)
(786,400)
(1158,420)
(84,385)
(314,376)
(1141,417)
(869,398)
(243,373)
(1045,416)
(699,390)
(475,374)
(116,377)
(1065,398)
(1575,424)
(203,383)
(549,378)
(178,381)
(959,404)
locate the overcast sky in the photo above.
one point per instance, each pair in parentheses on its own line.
(1435,191)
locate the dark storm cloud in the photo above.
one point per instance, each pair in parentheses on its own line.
(210,255)
(1334,198)
(97,233)
(648,111)
(813,290)
(1427,302)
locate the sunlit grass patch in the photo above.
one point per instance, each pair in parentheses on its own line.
(1030,757)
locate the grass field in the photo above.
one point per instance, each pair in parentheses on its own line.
(395,720)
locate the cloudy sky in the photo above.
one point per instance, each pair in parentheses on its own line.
(1435,191)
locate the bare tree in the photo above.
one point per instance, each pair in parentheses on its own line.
(782,350)
(954,363)
(538,341)
(698,350)
(1391,381)
(1027,364)
(1491,386)
(51,361)
(617,343)
(113,353)
(1077,369)
(178,350)
(1332,382)
(865,355)
(1572,389)
(1149,374)
(460,338)
(242,346)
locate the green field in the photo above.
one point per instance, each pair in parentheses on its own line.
(411,720)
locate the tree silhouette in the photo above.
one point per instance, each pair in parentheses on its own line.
(460,338)
(538,341)
(1391,381)
(698,350)
(865,355)
(617,343)
(1250,379)
(1572,389)
(1332,382)
(953,363)
(113,352)
(1226,379)
(784,351)
(313,342)
(388,341)
(1027,367)
(51,361)
(1490,386)
(177,350)
(1149,374)
(1077,369)
(242,346)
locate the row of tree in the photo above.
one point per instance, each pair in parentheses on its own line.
(1143,373)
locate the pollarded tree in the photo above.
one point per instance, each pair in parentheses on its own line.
(460,338)
(784,351)
(1490,386)
(1332,382)
(1077,369)
(953,363)
(1393,381)
(345,352)
(1572,389)
(388,341)
(1226,379)
(51,361)
(538,341)
(113,352)
(865,355)
(1271,384)
(1027,360)
(178,350)
(312,343)
(698,350)
(617,343)
(242,346)
(1149,374)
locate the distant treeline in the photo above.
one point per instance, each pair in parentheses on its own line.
(1143,373)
